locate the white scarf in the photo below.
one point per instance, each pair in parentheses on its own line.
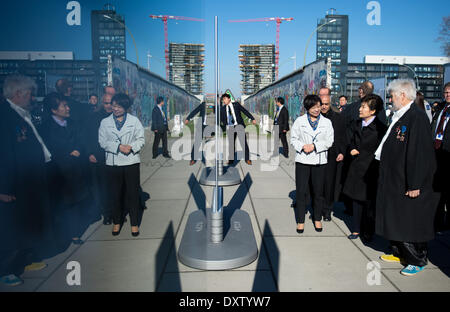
(397,115)
(27,117)
(232,113)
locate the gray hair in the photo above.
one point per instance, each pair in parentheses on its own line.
(406,86)
(17,83)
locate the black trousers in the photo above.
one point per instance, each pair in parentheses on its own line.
(442,218)
(232,144)
(284,143)
(124,182)
(100,188)
(411,253)
(364,217)
(313,176)
(158,137)
(197,144)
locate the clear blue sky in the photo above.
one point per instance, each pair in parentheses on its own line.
(408,27)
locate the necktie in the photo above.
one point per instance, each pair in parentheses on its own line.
(440,128)
(230,118)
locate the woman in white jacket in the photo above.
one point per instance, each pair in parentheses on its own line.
(311,136)
(121,135)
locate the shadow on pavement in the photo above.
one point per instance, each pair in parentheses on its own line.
(163,256)
(197,193)
(261,283)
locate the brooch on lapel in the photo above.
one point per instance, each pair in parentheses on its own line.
(401,132)
(21,133)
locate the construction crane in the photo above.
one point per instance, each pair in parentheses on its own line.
(165,18)
(279,20)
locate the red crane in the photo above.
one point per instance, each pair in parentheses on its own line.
(165,18)
(279,20)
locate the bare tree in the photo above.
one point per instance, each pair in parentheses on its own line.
(444,35)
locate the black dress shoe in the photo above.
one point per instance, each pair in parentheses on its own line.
(327,219)
(353,236)
(135,234)
(317,229)
(166,156)
(77,241)
(300,231)
(115,233)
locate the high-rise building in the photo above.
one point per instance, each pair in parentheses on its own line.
(186,64)
(46,67)
(427,71)
(257,66)
(332,41)
(108,38)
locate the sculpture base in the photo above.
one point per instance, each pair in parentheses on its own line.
(230,177)
(237,249)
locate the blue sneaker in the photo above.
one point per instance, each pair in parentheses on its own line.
(411,270)
(11,280)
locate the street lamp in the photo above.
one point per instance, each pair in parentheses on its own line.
(414,73)
(309,39)
(132,37)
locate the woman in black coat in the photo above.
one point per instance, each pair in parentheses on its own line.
(361,181)
(67,185)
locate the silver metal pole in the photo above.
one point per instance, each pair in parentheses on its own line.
(217,211)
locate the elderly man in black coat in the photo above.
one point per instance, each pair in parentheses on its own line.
(24,204)
(406,203)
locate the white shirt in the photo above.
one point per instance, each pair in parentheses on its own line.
(230,107)
(27,117)
(397,115)
(439,119)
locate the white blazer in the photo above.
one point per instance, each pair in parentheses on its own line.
(132,133)
(302,133)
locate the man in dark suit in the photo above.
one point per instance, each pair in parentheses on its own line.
(282,120)
(24,204)
(336,153)
(160,128)
(97,157)
(441,138)
(202,110)
(231,119)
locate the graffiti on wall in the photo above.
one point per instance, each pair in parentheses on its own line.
(293,88)
(144,87)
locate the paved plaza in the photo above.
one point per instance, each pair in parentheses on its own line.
(287,261)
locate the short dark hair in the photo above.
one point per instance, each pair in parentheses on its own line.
(447,85)
(52,101)
(343,96)
(123,100)
(281,100)
(226,95)
(62,85)
(311,100)
(420,100)
(93,94)
(374,102)
(159,99)
(366,87)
